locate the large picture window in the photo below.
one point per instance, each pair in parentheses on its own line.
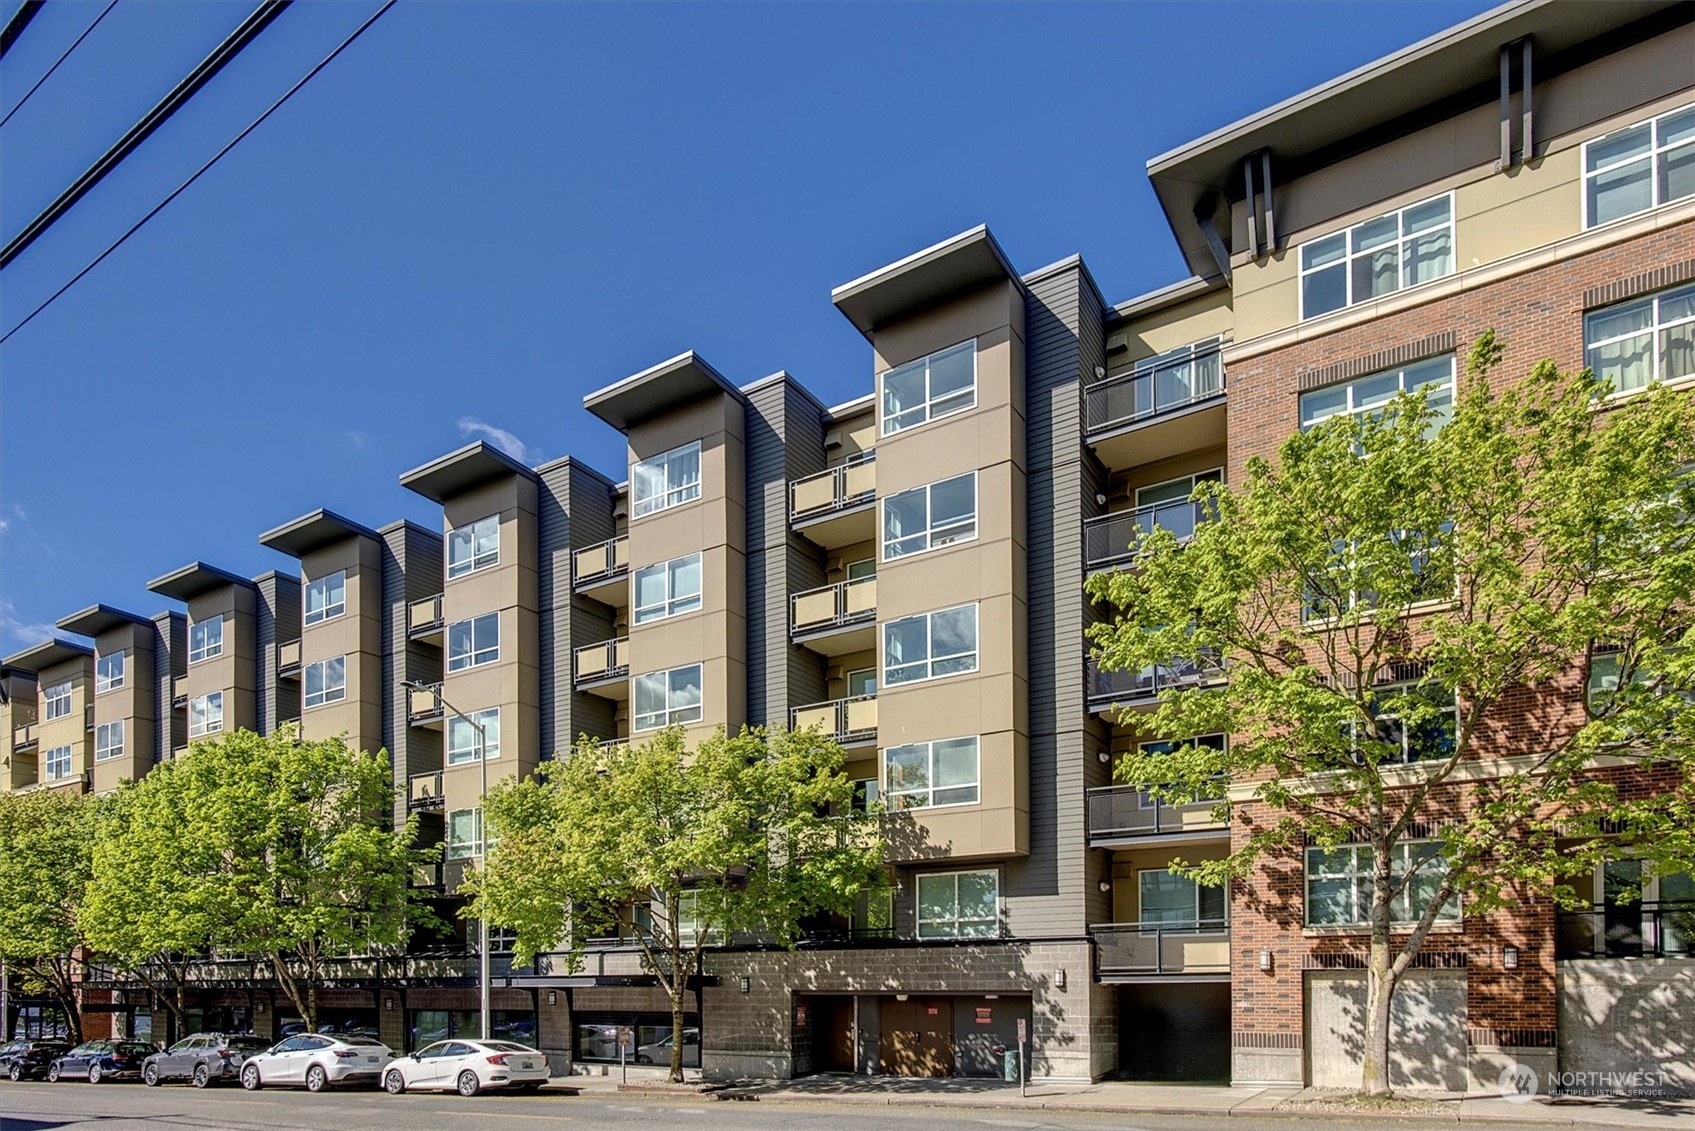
(1639,167)
(930,645)
(206,714)
(1177,900)
(474,546)
(472,643)
(669,698)
(1339,883)
(930,517)
(1642,341)
(326,682)
(326,597)
(109,672)
(926,775)
(943,383)
(1378,257)
(464,834)
(206,639)
(954,905)
(109,740)
(666,480)
(57,763)
(668,589)
(462,736)
(56,701)
(1369,395)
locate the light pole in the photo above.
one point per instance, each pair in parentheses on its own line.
(482,845)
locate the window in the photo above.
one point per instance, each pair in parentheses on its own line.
(58,763)
(326,597)
(1636,343)
(922,390)
(930,645)
(1639,167)
(688,916)
(206,714)
(1178,377)
(1167,506)
(108,672)
(109,741)
(1339,883)
(473,642)
(326,681)
(925,775)
(1178,900)
(669,698)
(473,547)
(56,701)
(462,736)
(953,905)
(464,834)
(862,569)
(1379,257)
(1431,739)
(1348,585)
(668,589)
(206,639)
(1368,396)
(865,794)
(667,480)
(1216,742)
(862,682)
(930,517)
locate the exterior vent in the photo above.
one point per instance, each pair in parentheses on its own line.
(833,438)
(1119,342)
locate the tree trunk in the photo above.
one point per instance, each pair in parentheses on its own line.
(1379,992)
(677,1035)
(679,981)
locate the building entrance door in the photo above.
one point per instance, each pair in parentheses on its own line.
(916,1037)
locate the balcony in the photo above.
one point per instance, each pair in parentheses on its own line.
(1172,405)
(836,619)
(427,876)
(851,722)
(179,691)
(288,658)
(836,507)
(24,738)
(425,620)
(1108,690)
(602,571)
(603,668)
(1121,815)
(1649,929)
(423,705)
(1112,539)
(88,717)
(1197,949)
(423,791)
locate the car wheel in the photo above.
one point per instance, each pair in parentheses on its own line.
(469,1085)
(94,1073)
(15,1073)
(394,1083)
(201,1076)
(644,1060)
(52,1073)
(150,1075)
(316,1078)
(250,1078)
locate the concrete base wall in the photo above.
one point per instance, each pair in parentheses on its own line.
(1485,1063)
(1427,1046)
(1627,1025)
(1261,1068)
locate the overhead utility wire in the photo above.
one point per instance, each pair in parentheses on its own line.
(56,62)
(244,34)
(15,26)
(178,191)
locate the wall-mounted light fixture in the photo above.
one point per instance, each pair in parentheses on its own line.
(1509,957)
(388,1004)
(1100,371)
(1265,960)
(1059,979)
(1103,756)
(991,997)
(258,1007)
(1105,886)
(552,997)
(900,997)
(747,984)
(1100,499)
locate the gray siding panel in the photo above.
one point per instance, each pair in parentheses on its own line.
(277,619)
(576,511)
(170,660)
(411,571)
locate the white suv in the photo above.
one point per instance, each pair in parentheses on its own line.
(315,1061)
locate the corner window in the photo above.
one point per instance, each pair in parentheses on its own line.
(669,698)
(471,643)
(109,672)
(56,701)
(930,645)
(922,390)
(1639,167)
(206,639)
(954,905)
(668,589)
(56,763)
(1368,396)
(473,547)
(1339,883)
(462,737)
(666,480)
(464,834)
(326,681)
(930,517)
(1378,257)
(326,597)
(1649,339)
(206,714)
(1177,901)
(926,775)
(109,741)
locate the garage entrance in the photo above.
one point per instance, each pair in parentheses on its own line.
(916,1037)
(1174,1032)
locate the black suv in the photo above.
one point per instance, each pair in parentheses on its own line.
(202,1058)
(28,1059)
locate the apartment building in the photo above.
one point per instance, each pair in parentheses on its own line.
(905,571)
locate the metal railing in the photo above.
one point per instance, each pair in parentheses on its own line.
(1650,929)
(179,691)
(841,603)
(1117,811)
(601,561)
(288,656)
(836,488)
(424,703)
(424,616)
(845,720)
(610,659)
(612,743)
(1130,397)
(423,791)
(1114,538)
(1107,687)
(1198,946)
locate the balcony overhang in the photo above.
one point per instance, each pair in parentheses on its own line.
(194,579)
(96,619)
(462,470)
(956,266)
(642,396)
(47,654)
(314,531)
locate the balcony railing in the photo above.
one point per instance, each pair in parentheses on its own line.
(612,743)
(845,720)
(601,562)
(423,704)
(24,736)
(288,657)
(1131,397)
(1193,947)
(424,617)
(179,691)
(838,488)
(610,659)
(843,603)
(88,717)
(423,791)
(1650,929)
(1118,811)
(1108,687)
(1113,538)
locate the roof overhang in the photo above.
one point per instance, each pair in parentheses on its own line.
(1167,296)
(965,263)
(96,619)
(1455,69)
(462,470)
(312,532)
(46,654)
(193,579)
(645,395)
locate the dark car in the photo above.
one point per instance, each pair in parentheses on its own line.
(97,1061)
(27,1059)
(202,1058)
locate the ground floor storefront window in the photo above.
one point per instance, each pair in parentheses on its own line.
(647,1035)
(431,1025)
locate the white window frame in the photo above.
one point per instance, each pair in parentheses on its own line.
(326,610)
(478,655)
(1654,157)
(1655,331)
(924,797)
(326,693)
(1359,871)
(56,701)
(669,494)
(109,671)
(471,560)
(57,763)
(1350,254)
(109,741)
(465,849)
(955,532)
(672,715)
(1344,561)
(461,753)
(888,426)
(211,725)
(849,678)
(930,659)
(858,571)
(926,927)
(673,604)
(1352,407)
(207,648)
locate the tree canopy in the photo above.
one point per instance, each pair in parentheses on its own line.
(46,837)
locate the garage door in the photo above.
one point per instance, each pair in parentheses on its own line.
(1427,1037)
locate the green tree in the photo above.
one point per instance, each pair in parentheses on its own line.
(676,848)
(45,865)
(1474,618)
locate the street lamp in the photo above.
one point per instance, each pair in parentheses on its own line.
(482,845)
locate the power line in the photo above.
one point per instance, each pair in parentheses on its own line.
(56,62)
(215,158)
(15,26)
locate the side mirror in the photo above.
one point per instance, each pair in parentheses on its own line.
(415,1056)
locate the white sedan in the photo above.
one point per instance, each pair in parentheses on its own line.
(315,1061)
(468,1067)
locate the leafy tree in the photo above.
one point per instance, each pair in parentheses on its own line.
(1473,618)
(45,865)
(678,848)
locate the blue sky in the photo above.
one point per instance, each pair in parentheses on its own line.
(482,211)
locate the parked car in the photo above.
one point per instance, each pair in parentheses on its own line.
(27,1059)
(202,1059)
(315,1061)
(99,1061)
(659,1052)
(468,1067)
